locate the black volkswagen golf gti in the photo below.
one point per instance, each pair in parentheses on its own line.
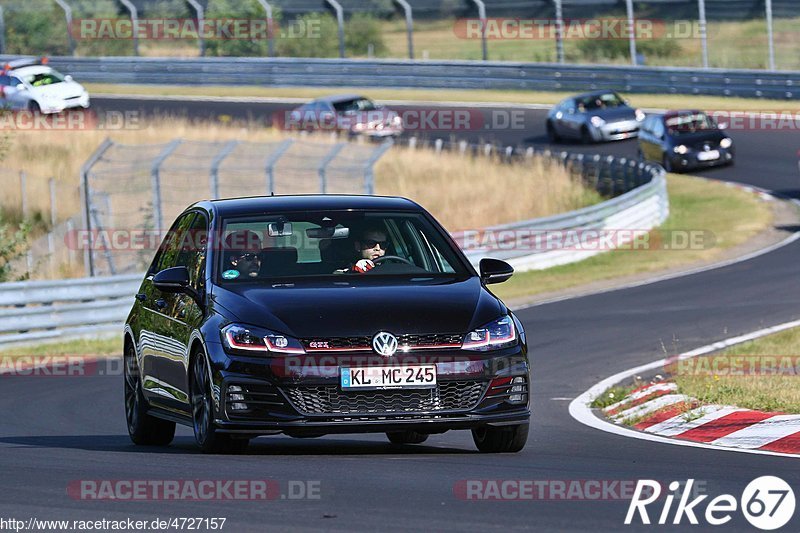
(311,315)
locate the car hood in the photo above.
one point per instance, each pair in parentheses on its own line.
(65,89)
(616,114)
(362,308)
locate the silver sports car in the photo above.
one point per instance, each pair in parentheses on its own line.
(594,117)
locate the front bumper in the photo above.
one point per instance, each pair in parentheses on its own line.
(58,106)
(692,159)
(617,131)
(304,398)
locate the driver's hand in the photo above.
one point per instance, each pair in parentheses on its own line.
(363,265)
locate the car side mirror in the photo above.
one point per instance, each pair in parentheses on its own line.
(68,78)
(172,280)
(21,87)
(495,271)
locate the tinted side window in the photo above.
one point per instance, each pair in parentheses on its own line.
(193,251)
(171,248)
(5,81)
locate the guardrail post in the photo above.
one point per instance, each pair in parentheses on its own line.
(770,35)
(270,27)
(330,156)
(229,147)
(409,26)
(369,171)
(559,32)
(272,160)
(632,32)
(482,15)
(68,16)
(337,7)
(201,17)
(134,23)
(2,31)
(155,177)
(701,5)
(88,255)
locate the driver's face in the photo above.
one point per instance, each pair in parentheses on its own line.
(372,245)
(249,264)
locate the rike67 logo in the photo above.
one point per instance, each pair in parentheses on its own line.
(767,502)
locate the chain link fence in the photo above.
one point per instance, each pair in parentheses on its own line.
(139,189)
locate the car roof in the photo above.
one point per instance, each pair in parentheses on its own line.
(35,69)
(336,98)
(676,112)
(256,205)
(594,93)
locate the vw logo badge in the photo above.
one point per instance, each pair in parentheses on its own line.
(384,343)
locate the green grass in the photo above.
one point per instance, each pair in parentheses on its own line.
(729,214)
(81,347)
(759,390)
(658,101)
(612,396)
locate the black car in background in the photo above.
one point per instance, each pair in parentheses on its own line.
(683,140)
(310,315)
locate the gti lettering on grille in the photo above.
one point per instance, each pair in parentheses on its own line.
(384,343)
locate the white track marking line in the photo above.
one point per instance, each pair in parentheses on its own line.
(762,433)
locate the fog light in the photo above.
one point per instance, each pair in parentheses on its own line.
(239,406)
(517,390)
(235,397)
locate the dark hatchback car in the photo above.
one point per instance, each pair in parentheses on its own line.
(311,315)
(683,140)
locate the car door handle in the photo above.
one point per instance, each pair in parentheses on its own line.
(161,303)
(141,297)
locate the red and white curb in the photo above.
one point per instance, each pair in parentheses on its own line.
(657,409)
(712,426)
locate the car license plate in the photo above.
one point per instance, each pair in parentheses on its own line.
(708,156)
(380,377)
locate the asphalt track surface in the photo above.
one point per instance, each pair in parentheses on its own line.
(57,430)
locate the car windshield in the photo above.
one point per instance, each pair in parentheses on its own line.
(600,101)
(690,123)
(355,105)
(44,78)
(334,244)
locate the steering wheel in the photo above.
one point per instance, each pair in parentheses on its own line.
(397,258)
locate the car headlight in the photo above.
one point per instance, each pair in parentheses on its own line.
(597,122)
(727,142)
(681,149)
(640,116)
(248,339)
(497,334)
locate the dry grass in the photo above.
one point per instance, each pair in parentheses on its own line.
(445,183)
(735,385)
(475,192)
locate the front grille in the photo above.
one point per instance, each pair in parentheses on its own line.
(431,340)
(329,400)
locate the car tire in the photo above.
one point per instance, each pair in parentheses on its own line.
(505,439)
(406,437)
(586,137)
(206,434)
(34,108)
(144,429)
(552,134)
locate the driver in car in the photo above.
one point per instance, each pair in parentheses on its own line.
(370,246)
(242,255)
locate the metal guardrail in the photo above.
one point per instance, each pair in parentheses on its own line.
(32,311)
(48,310)
(430,74)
